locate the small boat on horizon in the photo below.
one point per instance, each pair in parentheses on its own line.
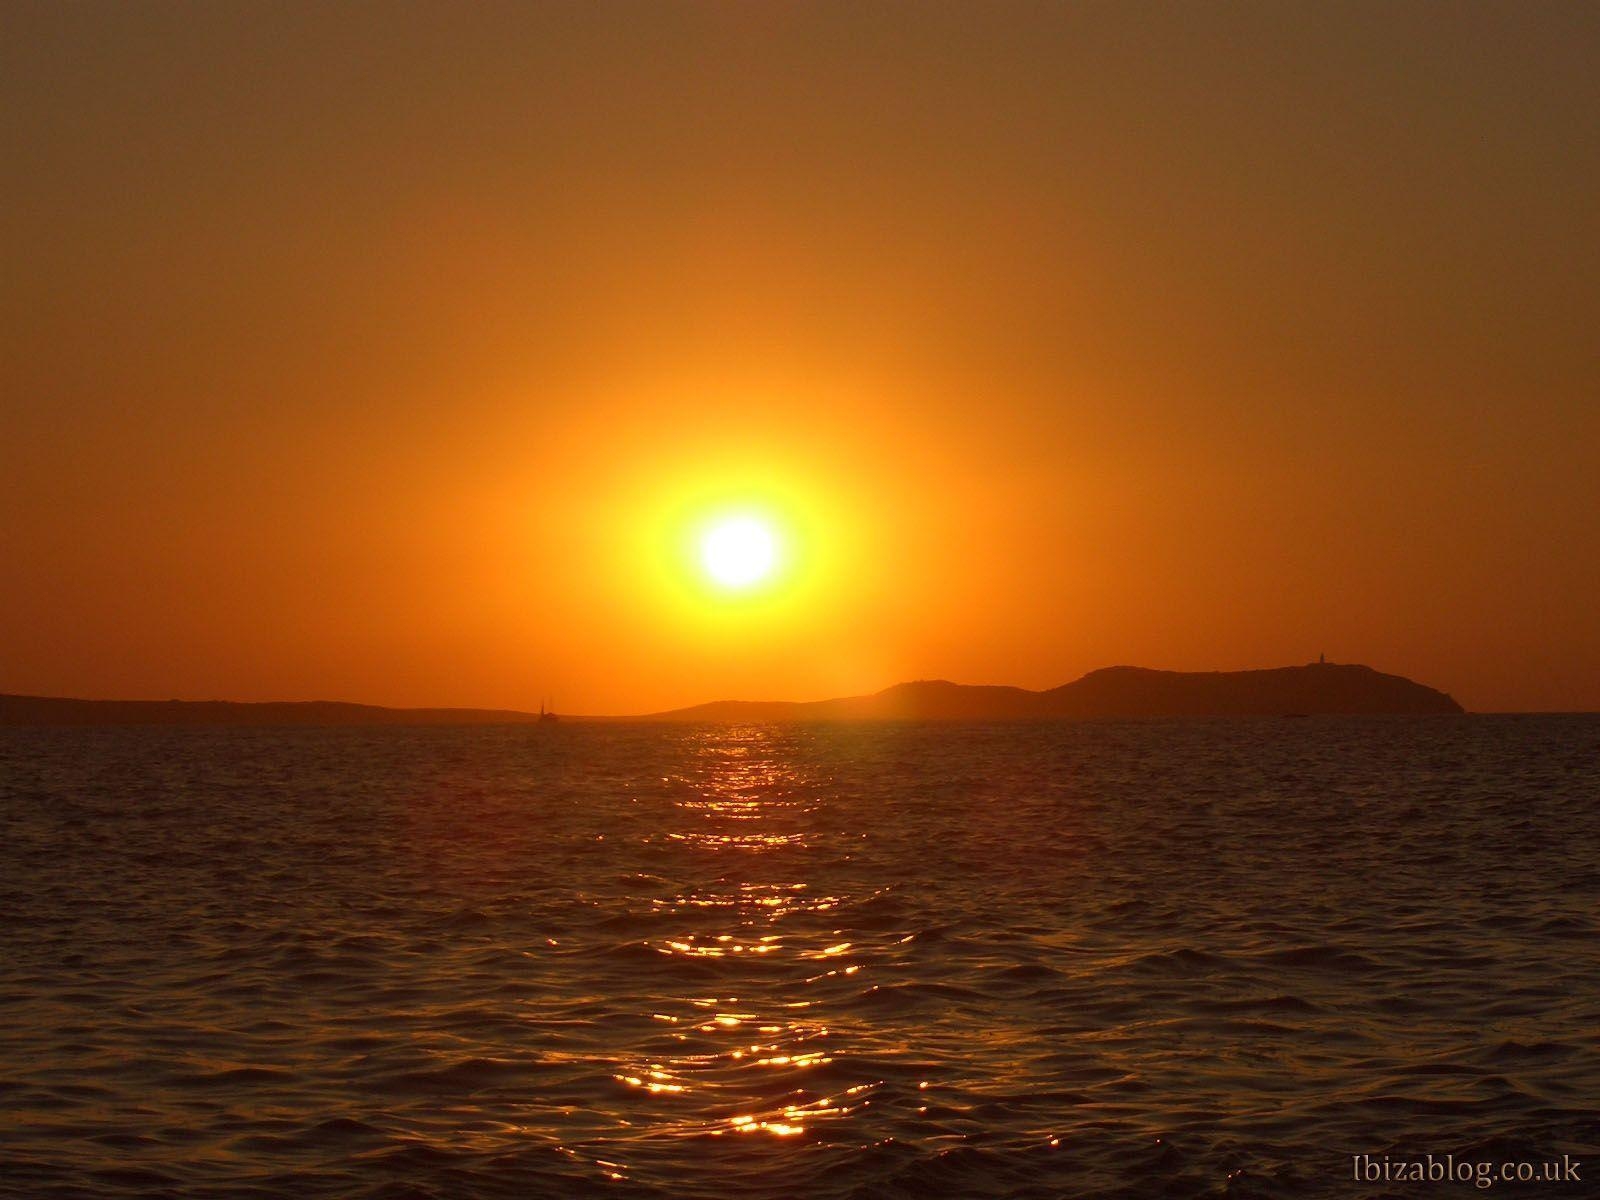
(544,715)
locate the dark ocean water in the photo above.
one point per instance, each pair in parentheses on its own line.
(1161,959)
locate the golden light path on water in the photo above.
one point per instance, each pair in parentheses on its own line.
(749,815)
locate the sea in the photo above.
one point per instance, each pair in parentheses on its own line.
(1202,958)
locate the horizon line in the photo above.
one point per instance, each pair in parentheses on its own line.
(516,715)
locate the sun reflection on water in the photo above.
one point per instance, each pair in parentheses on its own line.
(743,832)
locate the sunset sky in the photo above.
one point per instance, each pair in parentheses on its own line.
(404,353)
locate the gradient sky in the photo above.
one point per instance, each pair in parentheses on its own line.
(379,352)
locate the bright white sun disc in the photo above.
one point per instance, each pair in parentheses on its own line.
(738,551)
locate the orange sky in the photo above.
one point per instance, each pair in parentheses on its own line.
(380,352)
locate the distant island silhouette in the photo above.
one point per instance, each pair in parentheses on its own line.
(53,710)
(1319,688)
(1316,689)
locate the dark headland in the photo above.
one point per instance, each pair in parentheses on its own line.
(1112,693)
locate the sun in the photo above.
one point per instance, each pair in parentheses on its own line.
(739,552)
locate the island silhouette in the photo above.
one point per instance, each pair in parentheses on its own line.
(1319,688)
(1112,693)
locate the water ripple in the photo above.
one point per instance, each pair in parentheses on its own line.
(1177,959)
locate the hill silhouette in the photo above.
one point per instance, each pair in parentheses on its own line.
(1113,692)
(55,710)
